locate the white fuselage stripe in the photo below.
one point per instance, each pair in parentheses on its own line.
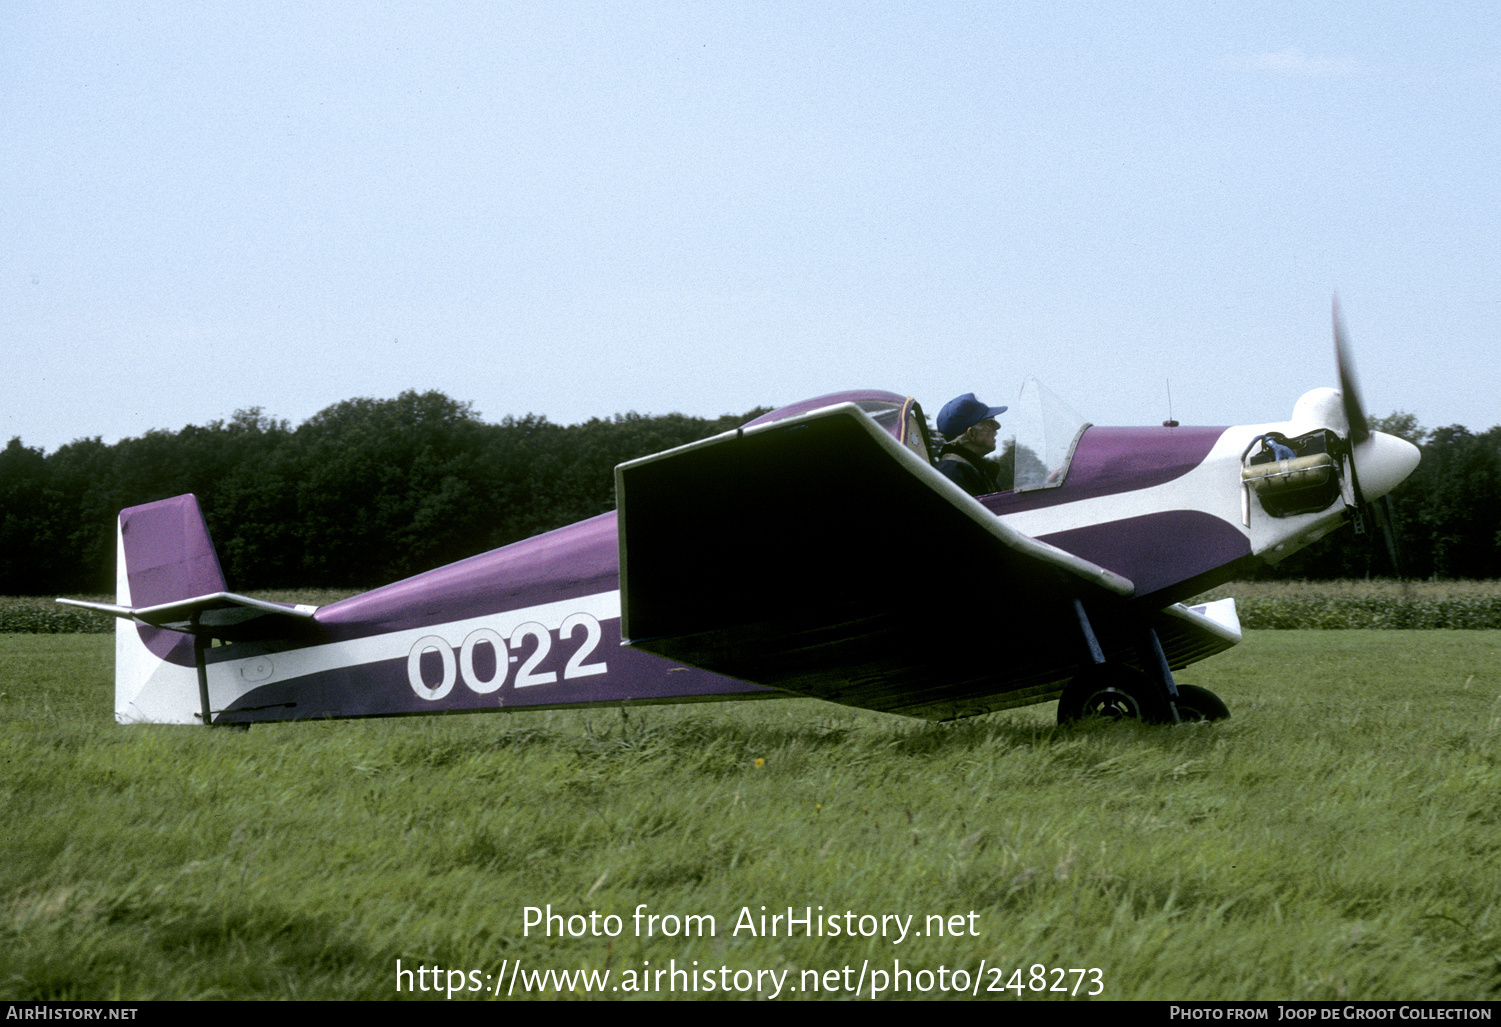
(1210,487)
(236,677)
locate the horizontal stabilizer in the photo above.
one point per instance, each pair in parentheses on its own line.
(171,603)
(222,615)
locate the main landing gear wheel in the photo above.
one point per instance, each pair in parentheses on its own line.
(1196,704)
(1116,693)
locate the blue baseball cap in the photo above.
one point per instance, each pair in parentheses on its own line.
(962,413)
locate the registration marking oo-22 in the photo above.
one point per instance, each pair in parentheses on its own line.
(575,622)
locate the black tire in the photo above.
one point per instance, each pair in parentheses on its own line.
(1115,693)
(1198,704)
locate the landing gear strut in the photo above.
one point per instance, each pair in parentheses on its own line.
(1120,692)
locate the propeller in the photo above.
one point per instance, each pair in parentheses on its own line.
(1348,388)
(1365,447)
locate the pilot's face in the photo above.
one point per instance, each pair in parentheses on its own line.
(983,435)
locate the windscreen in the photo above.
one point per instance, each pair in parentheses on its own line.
(1046,433)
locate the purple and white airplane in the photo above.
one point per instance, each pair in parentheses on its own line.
(813,552)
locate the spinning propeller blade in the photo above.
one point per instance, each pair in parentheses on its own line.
(1386,521)
(1348,388)
(1367,448)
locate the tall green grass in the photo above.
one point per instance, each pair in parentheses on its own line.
(1336,838)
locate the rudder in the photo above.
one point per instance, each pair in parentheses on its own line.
(163,554)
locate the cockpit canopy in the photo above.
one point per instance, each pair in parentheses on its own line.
(1045,429)
(900,416)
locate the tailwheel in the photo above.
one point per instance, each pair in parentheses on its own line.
(1196,704)
(1116,693)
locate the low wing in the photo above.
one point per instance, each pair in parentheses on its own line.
(820,556)
(222,615)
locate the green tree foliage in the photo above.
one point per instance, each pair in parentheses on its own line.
(1449,511)
(372,490)
(362,493)
(1446,517)
(1401,424)
(29,540)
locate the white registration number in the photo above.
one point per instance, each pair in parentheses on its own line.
(532,643)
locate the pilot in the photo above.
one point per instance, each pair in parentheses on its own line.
(969,430)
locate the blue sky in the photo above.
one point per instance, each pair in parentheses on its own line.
(582,209)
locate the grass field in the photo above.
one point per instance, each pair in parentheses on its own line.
(1338,837)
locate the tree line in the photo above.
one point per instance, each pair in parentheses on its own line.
(370,491)
(365,492)
(1445,518)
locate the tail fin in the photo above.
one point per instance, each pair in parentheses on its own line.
(164,555)
(172,605)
